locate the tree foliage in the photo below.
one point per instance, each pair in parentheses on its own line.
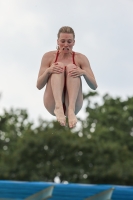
(101,151)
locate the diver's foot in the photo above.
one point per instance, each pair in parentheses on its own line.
(60,115)
(72,119)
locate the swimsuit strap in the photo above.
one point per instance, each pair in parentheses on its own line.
(73,58)
(73,55)
(57,54)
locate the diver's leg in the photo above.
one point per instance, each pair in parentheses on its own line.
(54,95)
(74,97)
(48,98)
(57,85)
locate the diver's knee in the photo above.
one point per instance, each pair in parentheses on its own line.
(61,64)
(70,67)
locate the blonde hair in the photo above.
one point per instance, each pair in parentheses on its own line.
(66,29)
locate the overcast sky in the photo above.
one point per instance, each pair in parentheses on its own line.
(28,29)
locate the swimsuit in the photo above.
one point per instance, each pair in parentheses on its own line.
(73,55)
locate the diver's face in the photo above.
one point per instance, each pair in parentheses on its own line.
(66,42)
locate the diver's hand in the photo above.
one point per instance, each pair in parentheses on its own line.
(75,72)
(56,68)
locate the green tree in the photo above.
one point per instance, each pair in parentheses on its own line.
(100,152)
(110,125)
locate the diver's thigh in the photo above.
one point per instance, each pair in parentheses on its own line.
(79,101)
(48,98)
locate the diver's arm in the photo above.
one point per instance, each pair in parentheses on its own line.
(44,71)
(87,72)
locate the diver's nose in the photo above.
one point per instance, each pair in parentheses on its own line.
(66,44)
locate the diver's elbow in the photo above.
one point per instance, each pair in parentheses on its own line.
(38,86)
(94,87)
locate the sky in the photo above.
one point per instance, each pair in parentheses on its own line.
(28,29)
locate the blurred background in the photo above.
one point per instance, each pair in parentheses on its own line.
(100,149)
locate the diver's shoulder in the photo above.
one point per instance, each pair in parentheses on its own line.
(50,55)
(80,55)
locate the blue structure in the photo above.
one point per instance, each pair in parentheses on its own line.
(17,190)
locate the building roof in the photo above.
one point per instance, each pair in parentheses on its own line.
(27,190)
